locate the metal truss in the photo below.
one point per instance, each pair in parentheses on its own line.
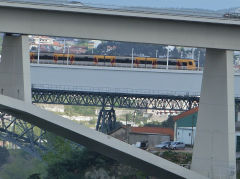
(106,120)
(31,138)
(22,134)
(119,100)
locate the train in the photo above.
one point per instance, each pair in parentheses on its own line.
(113,61)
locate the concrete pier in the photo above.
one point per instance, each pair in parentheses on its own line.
(214,148)
(15,68)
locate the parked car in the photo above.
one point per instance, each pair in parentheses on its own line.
(142,145)
(163,145)
(177,145)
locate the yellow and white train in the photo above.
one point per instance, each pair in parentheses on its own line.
(116,61)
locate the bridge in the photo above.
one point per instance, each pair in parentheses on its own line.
(118,87)
(120,80)
(214,142)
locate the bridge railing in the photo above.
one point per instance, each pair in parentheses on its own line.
(125,8)
(113,90)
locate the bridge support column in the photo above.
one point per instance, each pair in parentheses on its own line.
(106,120)
(214,148)
(15,68)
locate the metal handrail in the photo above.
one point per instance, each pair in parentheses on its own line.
(113,90)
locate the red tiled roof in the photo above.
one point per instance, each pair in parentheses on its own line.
(184,114)
(153,130)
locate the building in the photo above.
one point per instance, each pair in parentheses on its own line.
(44,40)
(153,135)
(185,127)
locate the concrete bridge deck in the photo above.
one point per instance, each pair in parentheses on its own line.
(120,80)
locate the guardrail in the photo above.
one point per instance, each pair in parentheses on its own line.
(114,90)
(111,7)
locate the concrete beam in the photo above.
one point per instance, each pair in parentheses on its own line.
(96,141)
(15,68)
(214,148)
(116,25)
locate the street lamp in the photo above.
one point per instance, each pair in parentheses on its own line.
(156,53)
(132,56)
(68,54)
(167,56)
(38,50)
(198,60)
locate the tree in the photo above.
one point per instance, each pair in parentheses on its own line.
(168,123)
(77,162)
(59,148)
(4,155)
(34,176)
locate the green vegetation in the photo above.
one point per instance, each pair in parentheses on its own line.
(67,160)
(134,116)
(177,157)
(4,155)
(153,124)
(21,165)
(80,110)
(82,43)
(59,148)
(168,123)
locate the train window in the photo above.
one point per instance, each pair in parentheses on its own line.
(141,62)
(149,62)
(118,60)
(101,60)
(124,60)
(190,63)
(161,63)
(184,63)
(88,59)
(172,63)
(127,60)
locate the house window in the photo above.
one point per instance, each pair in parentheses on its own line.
(238,144)
(189,134)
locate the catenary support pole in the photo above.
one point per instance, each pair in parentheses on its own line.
(15,68)
(214,147)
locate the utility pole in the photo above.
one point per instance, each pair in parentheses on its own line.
(156,53)
(38,49)
(198,60)
(68,54)
(132,57)
(167,56)
(64,43)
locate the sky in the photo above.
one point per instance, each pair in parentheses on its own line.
(202,4)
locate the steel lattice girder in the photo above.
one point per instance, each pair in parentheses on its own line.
(120,100)
(106,120)
(26,136)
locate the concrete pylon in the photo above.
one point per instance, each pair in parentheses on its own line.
(214,148)
(15,68)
